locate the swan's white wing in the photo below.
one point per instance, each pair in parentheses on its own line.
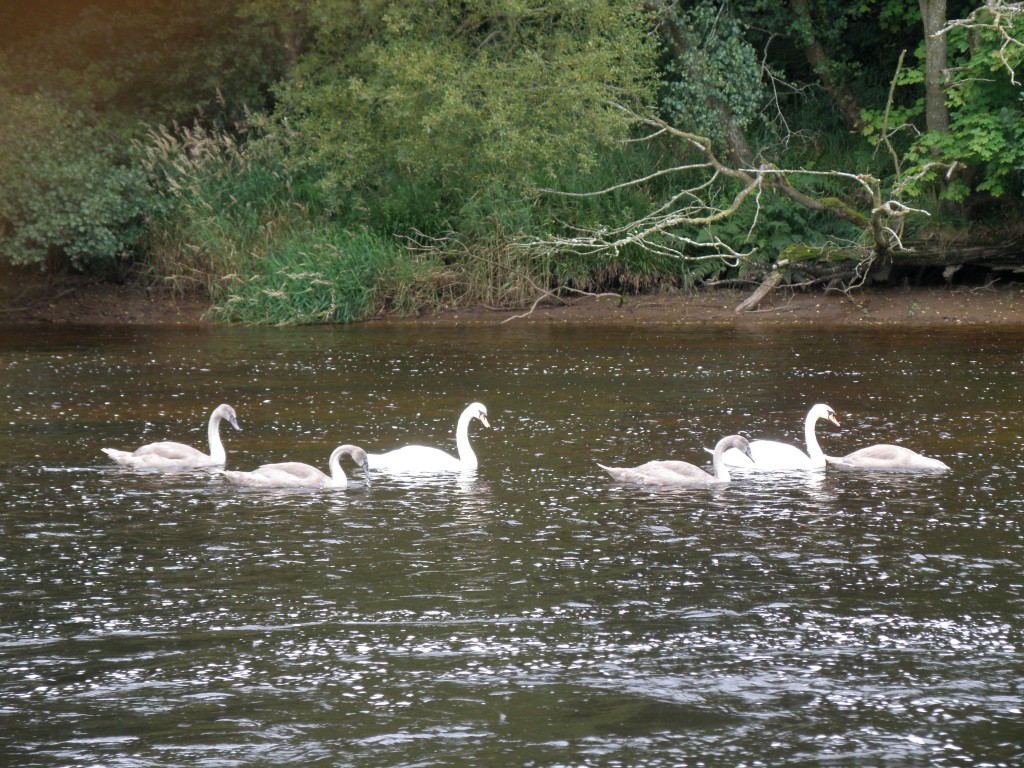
(291,474)
(415,458)
(294,471)
(769,455)
(169,450)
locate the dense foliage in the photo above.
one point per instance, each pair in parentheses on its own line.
(66,191)
(410,112)
(712,75)
(986,131)
(319,161)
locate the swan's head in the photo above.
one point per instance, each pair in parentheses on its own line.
(739,442)
(358,455)
(225,411)
(478,411)
(822,411)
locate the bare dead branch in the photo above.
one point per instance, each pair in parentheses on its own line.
(554,294)
(695,208)
(996,16)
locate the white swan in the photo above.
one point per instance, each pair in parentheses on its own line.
(884,457)
(773,455)
(420,458)
(295,474)
(170,455)
(681,472)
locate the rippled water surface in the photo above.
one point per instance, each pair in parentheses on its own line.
(533,613)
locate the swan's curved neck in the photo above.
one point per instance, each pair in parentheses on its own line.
(813,450)
(465,451)
(338,475)
(718,463)
(217,452)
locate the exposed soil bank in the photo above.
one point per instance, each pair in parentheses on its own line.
(27,297)
(945,306)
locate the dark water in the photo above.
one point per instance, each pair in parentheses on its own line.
(534,614)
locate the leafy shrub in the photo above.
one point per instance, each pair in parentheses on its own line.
(222,203)
(65,190)
(233,222)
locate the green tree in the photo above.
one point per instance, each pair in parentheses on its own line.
(409,111)
(79,81)
(968,114)
(718,209)
(712,77)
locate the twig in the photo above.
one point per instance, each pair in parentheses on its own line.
(888,109)
(553,294)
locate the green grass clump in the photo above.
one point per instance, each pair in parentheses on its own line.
(314,276)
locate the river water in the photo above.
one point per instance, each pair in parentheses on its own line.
(533,613)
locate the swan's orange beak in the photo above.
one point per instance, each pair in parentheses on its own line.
(483,419)
(833,419)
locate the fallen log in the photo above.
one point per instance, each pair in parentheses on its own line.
(754,300)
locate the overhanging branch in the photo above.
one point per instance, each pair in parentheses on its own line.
(695,207)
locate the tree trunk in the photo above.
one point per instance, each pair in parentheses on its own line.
(842,96)
(933,14)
